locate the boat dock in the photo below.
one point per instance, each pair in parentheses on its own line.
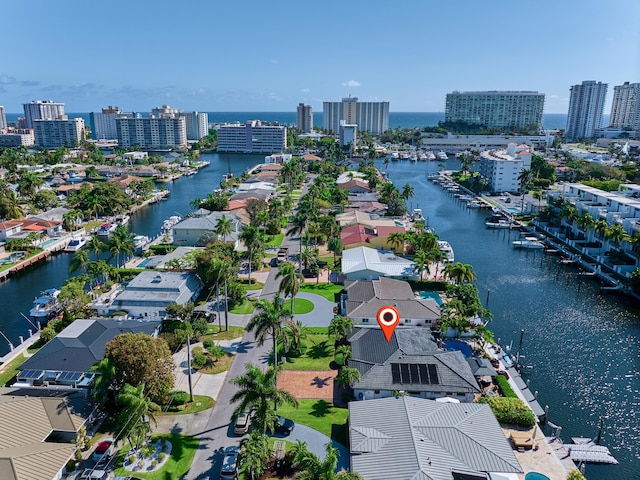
(584,450)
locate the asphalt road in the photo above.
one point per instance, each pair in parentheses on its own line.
(217,432)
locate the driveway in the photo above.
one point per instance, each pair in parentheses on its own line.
(316,442)
(322,311)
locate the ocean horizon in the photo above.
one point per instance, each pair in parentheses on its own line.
(550,121)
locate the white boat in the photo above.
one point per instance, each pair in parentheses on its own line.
(170,222)
(447,250)
(106,229)
(46,305)
(413,157)
(422,157)
(140,242)
(76,244)
(528,242)
(442,155)
(475,204)
(395,156)
(416,215)
(430,156)
(498,224)
(404,155)
(122,220)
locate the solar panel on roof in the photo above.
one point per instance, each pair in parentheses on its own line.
(404,373)
(30,374)
(395,373)
(70,376)
(424,375)
(413,370)
(433,374)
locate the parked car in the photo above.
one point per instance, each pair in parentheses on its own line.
(241,426)
(103,451)
(229,467)
(285,425)
(93,474)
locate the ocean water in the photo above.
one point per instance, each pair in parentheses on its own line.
(550,121)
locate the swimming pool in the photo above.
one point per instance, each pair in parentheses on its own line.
(51,241)
(514,210)
(462,347)
(144,263)
(535,476)
(432,295)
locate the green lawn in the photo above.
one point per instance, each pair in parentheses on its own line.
(300,306)
(327,290)
(318,356)
(214,334)
(183,450)
(255,284)
(275,241)
(11,369)
(200,403)
(245,308)
(320,415)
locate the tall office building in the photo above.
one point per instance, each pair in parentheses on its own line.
(372,117)
(152,133)
(304,118)
(42,110)
(519,111)
(252,137)
(586,105)
(625,108)
(60,132)
(3,119)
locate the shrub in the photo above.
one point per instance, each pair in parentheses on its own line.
(179,398)
(154,463)
(208,343)
(78,455)
(510,410)
(165,447)
(198,358)
(148,451)
(162,455)
(71,465)
(506,389)
(132,459)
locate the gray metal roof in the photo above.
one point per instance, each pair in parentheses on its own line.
(372,355)
(418,438)
(158,288)
(82,343)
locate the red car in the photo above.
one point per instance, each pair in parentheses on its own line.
(103,451)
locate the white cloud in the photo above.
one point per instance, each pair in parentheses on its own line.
(351,83)
(305,90)
(6,79)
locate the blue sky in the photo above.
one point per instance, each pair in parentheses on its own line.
(268,56)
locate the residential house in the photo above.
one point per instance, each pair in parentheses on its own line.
(149,293)
(361,236)
(38,428)
(355,217)
(422,439)
(364,298)
(355,186)
(64,362)
(363,263)
(191,230)
(410,362)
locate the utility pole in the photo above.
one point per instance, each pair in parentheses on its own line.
(189,368)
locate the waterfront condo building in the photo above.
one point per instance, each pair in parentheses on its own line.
(42,110)
(372,117)
(61,132)
(103,125)
(252,137)
(304,118)
(586,105)
(348,134)
(3,119)
(625,108)
(197,124)
(501,168)
(152,133)
(519,111)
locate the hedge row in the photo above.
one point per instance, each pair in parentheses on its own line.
(510,410)
(507,391)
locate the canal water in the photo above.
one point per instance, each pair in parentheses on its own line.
(584,347)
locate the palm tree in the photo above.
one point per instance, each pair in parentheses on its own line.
(298,226)
(290,283)
(121,242)
(396,240)
(223,227)
(267,321)
(335,245)
(422,260)
(339,328)
(71,219)
(253,241)
(293,334)
(617,234)
(407,191)
(585,222)
(258,393)
(255,453)
(538,195)
(524,178)
(344,351)
(137,412)
(312,467)
(80,259)
(437,256)
(96,245)
(309,257)
(459,272)
(347,376)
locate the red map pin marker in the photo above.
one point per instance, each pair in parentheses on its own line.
(388,319)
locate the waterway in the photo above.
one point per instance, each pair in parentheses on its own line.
(583,346)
